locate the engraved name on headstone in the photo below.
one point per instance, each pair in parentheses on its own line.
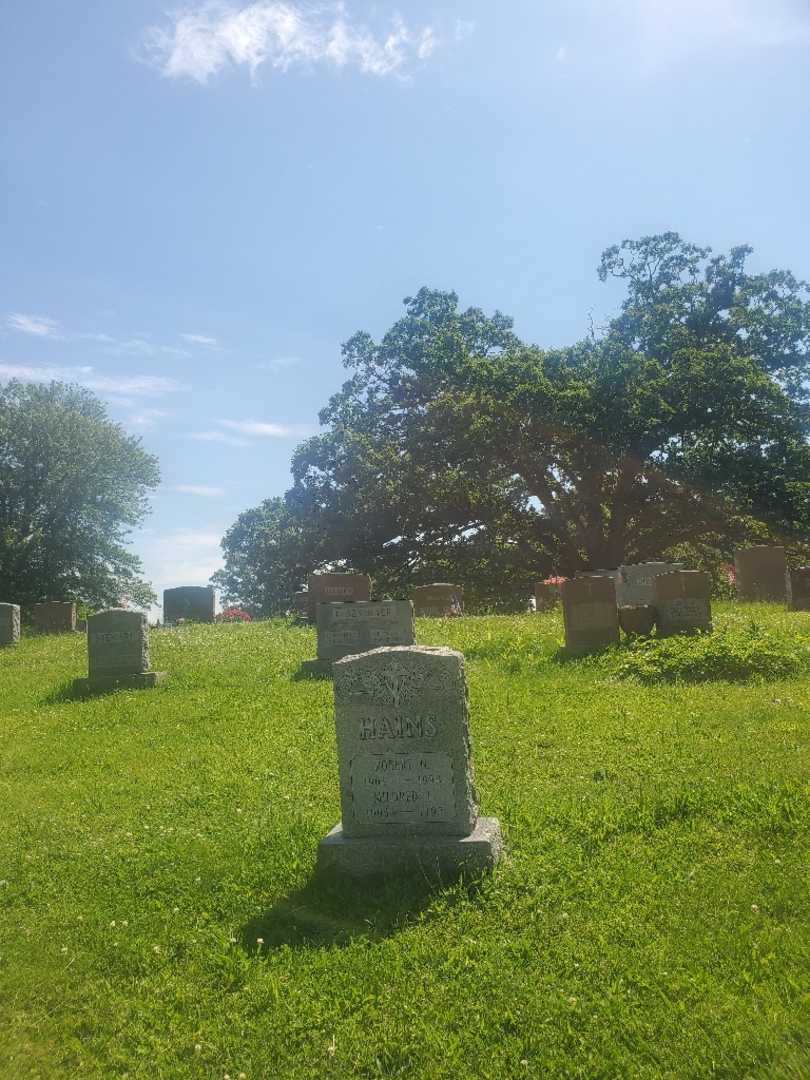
(760,573)
(349,628)
(406,782)
(9,624)
(682,602)
(590,614)
(196,603)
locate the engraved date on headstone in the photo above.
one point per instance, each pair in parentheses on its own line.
(402,788)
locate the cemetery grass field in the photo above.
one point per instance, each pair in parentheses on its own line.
(158,916)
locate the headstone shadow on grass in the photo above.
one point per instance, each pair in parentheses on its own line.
(331,911)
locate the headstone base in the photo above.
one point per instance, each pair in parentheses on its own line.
(375,856)
(316,667)
(102,683)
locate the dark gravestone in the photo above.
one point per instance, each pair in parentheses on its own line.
(589,612)
(637,619)
(194,603)
(336,588)
(800,589)
(118,652)
(760,573)
(545,596)
(54,617)
(439,600)
(682,602)
(407,796)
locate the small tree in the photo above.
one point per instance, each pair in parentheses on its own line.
(72,485)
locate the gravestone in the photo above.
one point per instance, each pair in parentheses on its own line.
(637,618)
(682,602)
(54,617)
(634,582)
(407,796)
(346,629)
(299,604)
(196,603)
(760,573)
(800,589)
(9,624)
(336,588)
(590,613)
(118,652)
(438,600)
(545,596)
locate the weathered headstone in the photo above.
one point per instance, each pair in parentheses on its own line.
(299,604)
(438,600)
(9,624)
(346,629)
(682,602)
(118,652)
(637,619)
(590,613)
(196,603)
(800,589)
(545,596)
(760,573)
(407,796)
(336,588)
(54,617)
(634,582)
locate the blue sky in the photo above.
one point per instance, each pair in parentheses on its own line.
(201,202)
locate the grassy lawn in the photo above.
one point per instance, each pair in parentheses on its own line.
(158,917)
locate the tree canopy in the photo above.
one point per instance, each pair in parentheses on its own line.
(72,484)
(455,451)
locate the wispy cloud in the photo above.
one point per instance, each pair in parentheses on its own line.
(278,362)
(218,437)
(200,339)
(38,325)
(199,489)
(141,347)
(146,418)
(263,429)
(198,42)
(134,385)
(662,32)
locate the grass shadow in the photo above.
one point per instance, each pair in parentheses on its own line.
(306,673)
(331,911)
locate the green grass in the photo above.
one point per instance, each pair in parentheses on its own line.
(652,918)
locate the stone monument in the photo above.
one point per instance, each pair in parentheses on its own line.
(634,582)
(9,624)
(54,617)
(637,619)
(331,588)
(407,796)
(760,573)
(799,589)
(196,603)
(682,602)
(438,600)
(590,613)
(346,629)
(545,596)
(118,652)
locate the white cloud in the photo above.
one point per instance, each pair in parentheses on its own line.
(279,362)
(135,385)
(141,347)
(199,42)
(263,428)
(200,339)
(38,325)
(145,418)
(561,54)
(661,32)
(218,437)
(199,489)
